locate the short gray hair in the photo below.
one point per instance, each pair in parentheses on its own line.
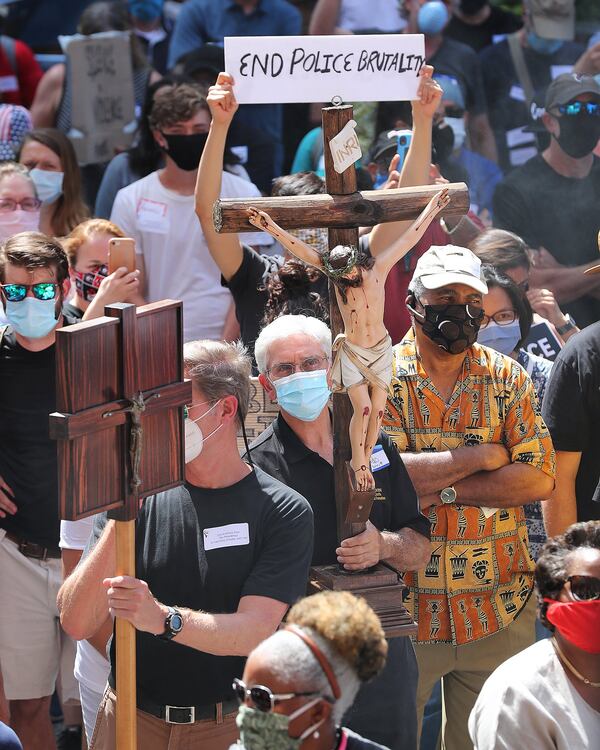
(289,325)
(291,660)
(220,369)
(416,287)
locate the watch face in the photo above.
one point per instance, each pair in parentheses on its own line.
(448,495)
(176,623)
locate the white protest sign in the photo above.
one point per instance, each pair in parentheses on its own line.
(348,68)
(345,148)
(102,94)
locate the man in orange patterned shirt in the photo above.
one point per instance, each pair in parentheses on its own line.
(469,427)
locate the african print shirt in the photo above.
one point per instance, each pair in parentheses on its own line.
(480,573)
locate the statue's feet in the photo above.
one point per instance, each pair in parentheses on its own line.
(363,479)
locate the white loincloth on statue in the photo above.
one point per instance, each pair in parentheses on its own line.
(354,364)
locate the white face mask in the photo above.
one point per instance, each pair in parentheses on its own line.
(458,128)
(17,221)
(194,439)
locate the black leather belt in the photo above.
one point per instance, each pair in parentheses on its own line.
(36,551)
(187,714)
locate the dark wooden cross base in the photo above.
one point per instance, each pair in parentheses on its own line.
(342,210)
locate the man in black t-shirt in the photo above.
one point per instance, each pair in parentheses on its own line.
(476,23)
(293,355)
(571,409)
(34,282)
(218,561)
(552,201)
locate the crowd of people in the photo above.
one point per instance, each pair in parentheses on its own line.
(485,467)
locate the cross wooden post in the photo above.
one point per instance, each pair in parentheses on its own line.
(119,427)
(342,210)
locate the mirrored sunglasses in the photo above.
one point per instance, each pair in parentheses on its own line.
(18,292)
(577,108)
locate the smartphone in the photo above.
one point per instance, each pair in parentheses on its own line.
(121,253)
(404,138)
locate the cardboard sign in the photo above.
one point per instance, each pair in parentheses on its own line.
(103,97)
(543,342)
(345,148)
(343,68)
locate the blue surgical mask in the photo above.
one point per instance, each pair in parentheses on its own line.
(48,185)
(543,46)
(31,317)
(457,124)
(503,339)
(145,10)
(432,17)
(303,394)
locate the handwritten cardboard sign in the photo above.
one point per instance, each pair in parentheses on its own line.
(349,68)
(543,342)
(345,148)
(102,94)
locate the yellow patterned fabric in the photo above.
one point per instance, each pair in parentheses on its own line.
(480,573)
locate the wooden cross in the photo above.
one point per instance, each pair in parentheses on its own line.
(119,427)
(342,210)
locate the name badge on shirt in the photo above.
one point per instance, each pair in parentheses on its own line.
(232,535)
(378,459)
(152,216)
(8,83)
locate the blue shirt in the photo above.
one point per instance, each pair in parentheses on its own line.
(202,21)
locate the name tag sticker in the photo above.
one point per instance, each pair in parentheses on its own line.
(517,92)
(152,216)
(379,460)
(232,535)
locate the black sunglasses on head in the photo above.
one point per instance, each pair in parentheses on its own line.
(584,588)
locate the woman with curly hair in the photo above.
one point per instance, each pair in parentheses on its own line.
(548,696)
(299,683)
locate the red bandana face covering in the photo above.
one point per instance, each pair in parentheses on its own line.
(578,622)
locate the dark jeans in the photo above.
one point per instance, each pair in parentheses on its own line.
(385,709)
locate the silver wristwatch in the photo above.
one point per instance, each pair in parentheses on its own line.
(448,495)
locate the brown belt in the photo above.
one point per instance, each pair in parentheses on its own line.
(31,549)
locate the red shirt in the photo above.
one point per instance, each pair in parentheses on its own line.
(18,86)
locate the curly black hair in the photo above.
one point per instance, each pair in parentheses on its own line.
(551,570)
(290,293)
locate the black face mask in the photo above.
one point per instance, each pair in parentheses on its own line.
(442,142)
(579,134)
(470,7)
(454,328)
(185,150)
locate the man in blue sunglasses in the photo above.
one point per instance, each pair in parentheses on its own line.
(552,200)
(34,282)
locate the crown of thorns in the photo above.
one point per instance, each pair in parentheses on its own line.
(335,272)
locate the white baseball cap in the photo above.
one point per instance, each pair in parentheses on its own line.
(442,265)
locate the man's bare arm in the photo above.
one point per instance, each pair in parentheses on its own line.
(560,509)
(324,18)
(482,138)
(567,283)
(296,247)
(82,599)
(432,472)
(507,487)
(225,249)
(405,550)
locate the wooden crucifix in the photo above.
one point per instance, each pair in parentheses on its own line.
(342,210)
(119,427)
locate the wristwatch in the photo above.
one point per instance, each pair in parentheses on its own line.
(568,326)
(173,625)
(448,495)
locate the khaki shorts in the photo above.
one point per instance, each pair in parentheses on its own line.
(33,646)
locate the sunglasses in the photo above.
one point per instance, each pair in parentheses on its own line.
(18,292)
(584,588)
(577,108)
(261,697)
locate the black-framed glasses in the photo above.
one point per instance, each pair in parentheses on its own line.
(577,108)
(262,697)
(27,204)
(524,285)
(501,318)
(283,369)
(17,292)
(584,588)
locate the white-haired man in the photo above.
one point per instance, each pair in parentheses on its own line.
(219,561)
(293,354)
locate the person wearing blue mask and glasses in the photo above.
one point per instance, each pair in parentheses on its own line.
(293,354)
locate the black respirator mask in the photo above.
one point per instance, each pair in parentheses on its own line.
(454,328)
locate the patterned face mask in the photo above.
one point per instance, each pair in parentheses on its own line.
(261,730)
(87,284)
